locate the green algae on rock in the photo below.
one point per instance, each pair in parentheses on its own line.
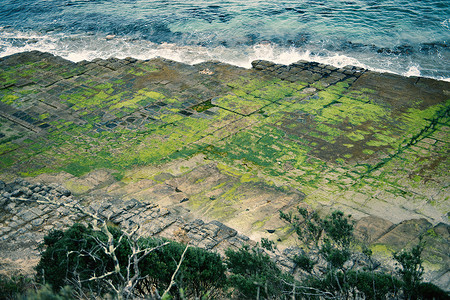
(257,140)
(305,125)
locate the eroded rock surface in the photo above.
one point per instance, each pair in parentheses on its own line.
(31,210)
(231,144)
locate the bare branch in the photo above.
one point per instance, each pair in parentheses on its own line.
(311,290)
(172,280)
(125,289)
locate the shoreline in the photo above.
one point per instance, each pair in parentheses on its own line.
(91,98)
(235,145)
(198,54)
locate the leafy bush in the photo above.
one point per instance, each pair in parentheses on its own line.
(78,257)
(12,286)
(430,291)
(255,275)
(202,273)
(75,256)
(374,285)
(46,293)
(329,239)
(411,270)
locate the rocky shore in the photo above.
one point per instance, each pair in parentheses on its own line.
(32,210)
(211,152)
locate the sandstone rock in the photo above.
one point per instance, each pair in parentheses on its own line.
(63,191)
(213,235)
(27,215)
(37,189)
(443,230)
(404,234)
(16,193)
(10,207)
(131,204)
(292,252)
(37,222)
(26,191)
(370,228)
(224,231)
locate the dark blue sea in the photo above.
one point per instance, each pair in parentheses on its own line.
(398,36)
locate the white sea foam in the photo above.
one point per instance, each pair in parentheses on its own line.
(412,71)
(87,47)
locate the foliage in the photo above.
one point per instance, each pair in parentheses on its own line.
(74,263)
(202,273)
(13,285)
(428,290)
(329,241)
(73,257)
(268,244)
(304,262)
(409,265)
(330,237)
(338,228)
(307,225)
(46,293)
(76,257)
(255,275)
(374,285)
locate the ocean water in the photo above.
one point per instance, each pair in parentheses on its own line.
(398,36)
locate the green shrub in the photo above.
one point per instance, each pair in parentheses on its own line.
(13,286)
(46,293)
(202,273)
(74,257)
(254,274)
(429,291)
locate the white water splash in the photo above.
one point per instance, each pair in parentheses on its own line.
(412,71)
(90,46)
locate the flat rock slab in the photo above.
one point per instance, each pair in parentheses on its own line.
(231,144)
